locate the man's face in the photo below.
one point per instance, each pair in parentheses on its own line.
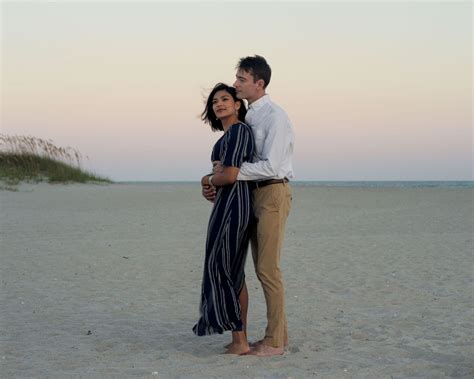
(245,86)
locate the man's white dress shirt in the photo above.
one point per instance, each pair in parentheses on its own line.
(274,139)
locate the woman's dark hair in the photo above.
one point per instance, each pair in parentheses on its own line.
(258,67)
(209,117)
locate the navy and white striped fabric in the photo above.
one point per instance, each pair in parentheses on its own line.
(227,239)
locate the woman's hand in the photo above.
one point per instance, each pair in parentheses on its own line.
(209,193)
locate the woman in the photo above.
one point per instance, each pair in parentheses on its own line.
(224,294)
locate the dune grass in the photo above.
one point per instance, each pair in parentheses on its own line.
(32,159)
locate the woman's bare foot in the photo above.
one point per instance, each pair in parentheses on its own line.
(238,348)
(238,338)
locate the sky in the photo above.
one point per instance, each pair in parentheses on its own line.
(375,90)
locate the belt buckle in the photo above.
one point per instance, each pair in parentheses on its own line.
(258,184)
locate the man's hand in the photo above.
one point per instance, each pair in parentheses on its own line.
(209,193)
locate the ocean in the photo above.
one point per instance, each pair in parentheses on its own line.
(388,184)
(349,184)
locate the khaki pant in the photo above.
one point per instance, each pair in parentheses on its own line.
(272,205)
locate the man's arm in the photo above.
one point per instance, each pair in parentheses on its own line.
(276,142)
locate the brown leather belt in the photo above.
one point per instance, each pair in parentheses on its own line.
(264,183)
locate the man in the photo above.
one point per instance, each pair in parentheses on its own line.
(271,171)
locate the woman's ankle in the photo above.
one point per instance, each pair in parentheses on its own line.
(239,338)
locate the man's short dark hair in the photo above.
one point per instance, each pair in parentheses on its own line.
(258,67)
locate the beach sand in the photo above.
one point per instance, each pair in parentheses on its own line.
(104,281)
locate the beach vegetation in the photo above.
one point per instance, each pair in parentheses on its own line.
(32,159)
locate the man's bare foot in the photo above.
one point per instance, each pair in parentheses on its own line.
(238,348)
(263,350)
(259,342)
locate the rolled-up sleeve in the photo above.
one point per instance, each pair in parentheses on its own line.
(277,139)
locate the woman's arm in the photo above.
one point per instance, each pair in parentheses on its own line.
(225,172)
(227,175)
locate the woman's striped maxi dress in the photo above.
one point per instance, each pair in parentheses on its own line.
(227,239)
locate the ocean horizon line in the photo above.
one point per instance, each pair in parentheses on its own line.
(339,183)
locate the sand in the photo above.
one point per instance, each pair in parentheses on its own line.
(104,281)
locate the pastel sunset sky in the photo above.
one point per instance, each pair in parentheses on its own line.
(375,90)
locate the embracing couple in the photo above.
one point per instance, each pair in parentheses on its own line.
(249,186)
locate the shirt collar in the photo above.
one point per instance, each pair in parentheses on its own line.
(256,105)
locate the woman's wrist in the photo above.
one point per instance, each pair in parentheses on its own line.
(209,178)
(204,179)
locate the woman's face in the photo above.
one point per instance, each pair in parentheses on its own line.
(224,105)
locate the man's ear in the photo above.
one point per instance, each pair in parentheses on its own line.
(260,83)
